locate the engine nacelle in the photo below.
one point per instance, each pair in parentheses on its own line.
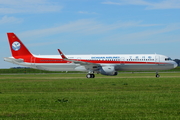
(108,70)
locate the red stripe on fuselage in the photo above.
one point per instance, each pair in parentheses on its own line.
(53,60)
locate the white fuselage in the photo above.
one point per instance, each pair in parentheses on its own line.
(104,64)
(121,62)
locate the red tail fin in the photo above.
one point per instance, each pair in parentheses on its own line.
(18,49)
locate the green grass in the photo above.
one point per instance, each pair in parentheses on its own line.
(30,70)
(72,96)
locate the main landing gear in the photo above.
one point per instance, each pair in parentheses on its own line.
(90,76)
(157,75)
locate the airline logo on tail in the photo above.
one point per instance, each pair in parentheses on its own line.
(16,46)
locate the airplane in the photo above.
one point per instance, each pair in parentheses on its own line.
(106,64)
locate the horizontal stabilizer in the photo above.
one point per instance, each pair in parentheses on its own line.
(12,60)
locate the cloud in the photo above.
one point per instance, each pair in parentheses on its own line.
(150,36)
(7,19)
(165,4)
(111,3)
(85,12)
(28,6)
(44,43)
(85,27)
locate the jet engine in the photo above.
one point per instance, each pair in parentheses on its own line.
(108,70)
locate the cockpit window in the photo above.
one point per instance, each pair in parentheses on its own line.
(166,59)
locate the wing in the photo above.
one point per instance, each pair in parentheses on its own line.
(88,65)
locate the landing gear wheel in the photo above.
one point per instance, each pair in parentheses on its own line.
(157,75)
(90,76)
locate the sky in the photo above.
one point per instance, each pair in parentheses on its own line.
(91,27)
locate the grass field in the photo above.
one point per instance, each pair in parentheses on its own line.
(72,96)
(30,70)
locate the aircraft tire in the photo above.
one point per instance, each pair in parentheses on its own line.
(90,76)
(93,76)
(157,75)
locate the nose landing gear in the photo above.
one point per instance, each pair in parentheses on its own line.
(157,75)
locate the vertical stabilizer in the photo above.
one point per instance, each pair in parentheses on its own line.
(18,49)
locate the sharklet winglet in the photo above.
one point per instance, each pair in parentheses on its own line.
(62,55)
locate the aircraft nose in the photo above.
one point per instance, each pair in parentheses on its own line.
(175,64)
